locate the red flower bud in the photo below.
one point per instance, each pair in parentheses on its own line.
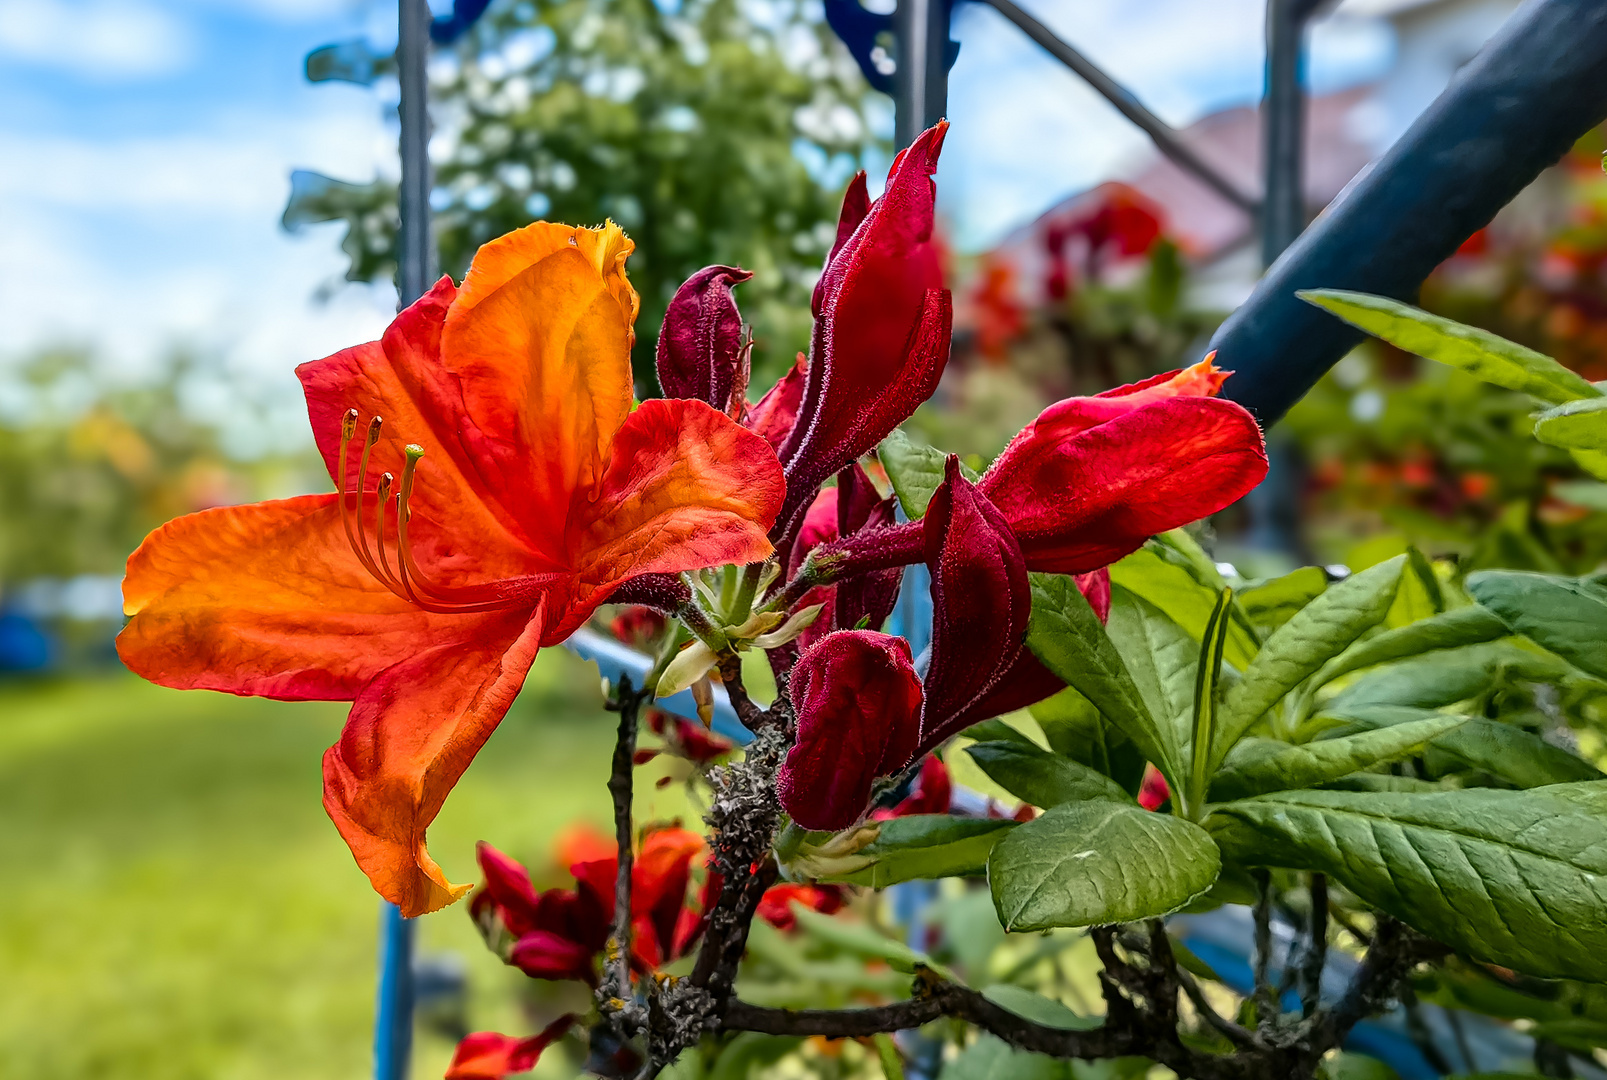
(981,603)
(700,352)
(858,703)
(1092,478)
(867,598)
(882,330)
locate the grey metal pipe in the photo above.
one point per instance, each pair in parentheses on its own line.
(1513,111)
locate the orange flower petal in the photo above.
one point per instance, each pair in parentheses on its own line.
(685,488)
(410,736)
(268,599)
(540,337)
(401,379)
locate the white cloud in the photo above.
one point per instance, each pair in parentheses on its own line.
(134,245)
(99,39)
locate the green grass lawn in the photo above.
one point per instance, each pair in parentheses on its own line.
(176,905)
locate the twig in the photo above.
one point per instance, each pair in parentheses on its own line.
(616,986)
(752,716)
(1235,1034)
(1316,956)
(1266,1004)
(1379,979)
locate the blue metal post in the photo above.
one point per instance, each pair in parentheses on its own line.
(393,1022)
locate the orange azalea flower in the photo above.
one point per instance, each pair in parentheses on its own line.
(495,487)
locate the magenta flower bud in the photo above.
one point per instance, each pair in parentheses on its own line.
(882,327)
(859,704)
(700,352)
(981,603)
(856,205)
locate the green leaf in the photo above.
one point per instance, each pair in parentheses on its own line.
(1037,1008)
(1041,778)
(1091,863)
(862,939)
(1447,677)
(1519,757)
(1576,425)
(1068,637)
(997,730)
(1170,586)
(1566,615)
(1517,878)
(1471,625)
(751,1054)
(1297,649)
(991,1058)
(1273,603)
(1161,657)
(1477,352)
(1257,766)
(926,846)
(915,470)
(891,1060)
(1208,670)
(1419,596)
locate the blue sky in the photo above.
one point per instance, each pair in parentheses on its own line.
(146,145)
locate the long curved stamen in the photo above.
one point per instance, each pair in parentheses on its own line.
(382,498)
(374,426)
(408,581)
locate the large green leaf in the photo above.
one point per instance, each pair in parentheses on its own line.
(1039,777)
(1090,863)
(1297,649)
(915,471)
(1576,425)
(1464,626)
(1161,657)
(1566,615)
(1511,753)
(1517,878)
(1070,640)
(1448,677)
(926,846)
(1257,766)
(1478,352)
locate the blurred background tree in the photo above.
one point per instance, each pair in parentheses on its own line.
(713,131)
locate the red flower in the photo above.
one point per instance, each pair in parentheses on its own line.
(685,739)
(932,792)
(775,906)
(858,702)
(541,492)
(559,933)
(486,1055)
(1094,477)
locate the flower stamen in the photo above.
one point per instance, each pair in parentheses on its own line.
(408,581)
